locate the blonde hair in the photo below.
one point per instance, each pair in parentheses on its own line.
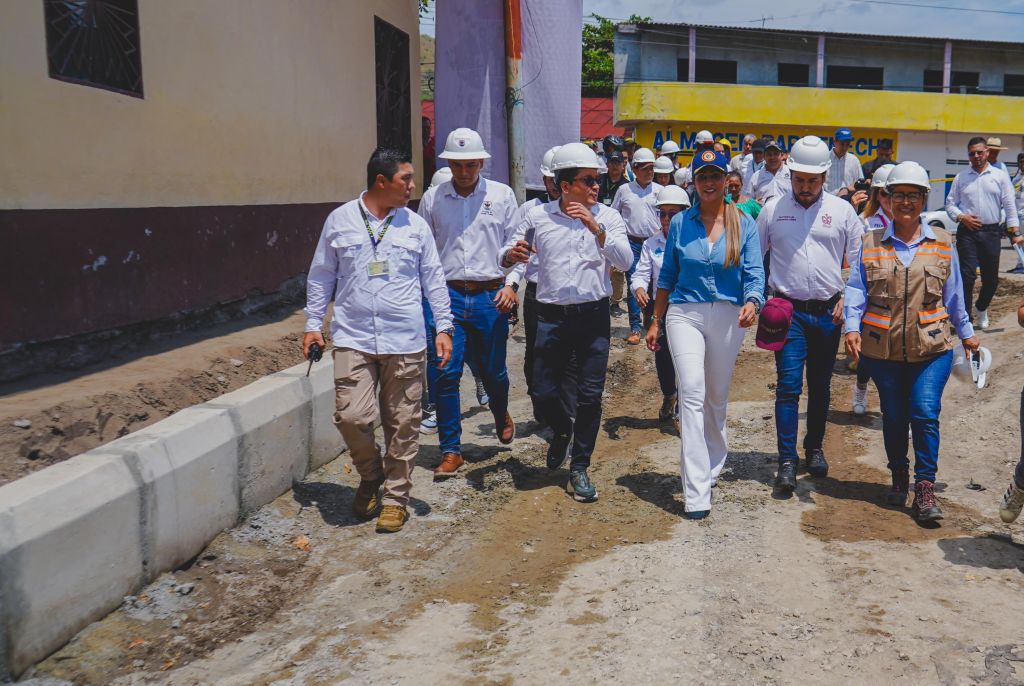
(873,204)
(732,235)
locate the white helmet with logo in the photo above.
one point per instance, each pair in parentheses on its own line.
(574,156)
(643,156)
(545,164)
(464,144)
(663,165)
(440,176)
(704,137)
(910,174)
(810,155)
(670,147)
(881,174)
(673,195)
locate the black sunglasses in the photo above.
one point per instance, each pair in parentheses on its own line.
(588,180)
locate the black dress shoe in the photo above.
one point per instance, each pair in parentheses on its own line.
(816,464)
(785,481)
(558,450)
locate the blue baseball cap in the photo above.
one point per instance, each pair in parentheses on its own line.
(844,134)
(710,158)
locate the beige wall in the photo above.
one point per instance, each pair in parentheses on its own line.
(246,102)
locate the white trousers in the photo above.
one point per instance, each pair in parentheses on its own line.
(704,339)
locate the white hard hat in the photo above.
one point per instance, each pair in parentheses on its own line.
(881,174)
(545,163)
(910,174)
(574,156)
(810,155)
(663,165)
(643,155)
(682,175)
(704,136)
(975,370)
(464,144)
(440,176)
(673,195)
(669,147)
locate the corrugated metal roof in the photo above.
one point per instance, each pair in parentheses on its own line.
(811,32)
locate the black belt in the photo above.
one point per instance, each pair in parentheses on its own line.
(552,310)
(998,227)
(812,306)
(635,239)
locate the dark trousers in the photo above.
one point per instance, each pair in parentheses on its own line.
(979,249)
(664,366)
(863,371)
(583,333)
(529,355)
(812,342)
(1018,473)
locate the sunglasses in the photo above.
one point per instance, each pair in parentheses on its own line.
(588,180)
(913,196)
(976,153)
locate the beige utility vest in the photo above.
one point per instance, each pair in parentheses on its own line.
(906,319)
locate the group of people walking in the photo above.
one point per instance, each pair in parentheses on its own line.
(698,262)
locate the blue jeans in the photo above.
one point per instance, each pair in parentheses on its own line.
(480,329)
(911,396)
(559,338)
(813,341)
(472,357)
(635,315)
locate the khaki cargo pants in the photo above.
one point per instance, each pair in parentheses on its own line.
(359,378)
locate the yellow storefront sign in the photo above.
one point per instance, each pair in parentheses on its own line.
(865,141)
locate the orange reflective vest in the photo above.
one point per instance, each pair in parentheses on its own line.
(906,318)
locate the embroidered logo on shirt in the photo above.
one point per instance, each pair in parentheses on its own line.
(826,220)
(487,208)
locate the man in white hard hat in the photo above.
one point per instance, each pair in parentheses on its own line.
(845,168)
(471,218)
(979,199)
(809,233)
(772,180)
(635,202)
(576,241)
(378,261)
(670,150)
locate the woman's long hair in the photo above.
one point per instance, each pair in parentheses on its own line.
(873,204)
(733,237)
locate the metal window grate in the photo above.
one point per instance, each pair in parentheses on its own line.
(95,43)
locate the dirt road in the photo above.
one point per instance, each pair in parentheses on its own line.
(501,578)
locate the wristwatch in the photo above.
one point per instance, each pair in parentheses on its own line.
(450,331)
(514,287)
(756,303)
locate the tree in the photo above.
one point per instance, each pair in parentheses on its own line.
(598,54)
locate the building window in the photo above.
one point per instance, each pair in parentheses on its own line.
(394,113)
(869,78)
(95,43)
(794,74)
(1013,84)
(959,81)
(707,71)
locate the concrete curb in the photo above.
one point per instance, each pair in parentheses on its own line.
(77,537)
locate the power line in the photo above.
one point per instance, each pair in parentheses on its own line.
(938,7)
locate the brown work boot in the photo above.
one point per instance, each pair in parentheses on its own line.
(392,518)
(364,505)
(633,338)
(925,507)
(897,495)
(506,429)
(668,407)
(450,463)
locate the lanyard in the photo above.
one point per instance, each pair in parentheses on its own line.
(375,241)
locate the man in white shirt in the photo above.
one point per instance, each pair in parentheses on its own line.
(576,241)
(772,180)
(979,199)
(378,261)
(845,170)
(471,218)
(741,162)
(756,164)
(808,232)
(635,202)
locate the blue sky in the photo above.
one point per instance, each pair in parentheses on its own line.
(968,19)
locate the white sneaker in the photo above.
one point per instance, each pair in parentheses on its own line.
(428,425)
(1013,501)
(983,322)
(860,399)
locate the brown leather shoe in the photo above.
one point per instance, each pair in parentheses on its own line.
(391,520)
(505,430)
(364,505)
(450,464)
(633,338)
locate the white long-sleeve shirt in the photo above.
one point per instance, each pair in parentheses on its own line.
(636,205)
(380,315)
(984,194)
(530,268)
(648,268)
(470,230)
(572,268)
(765,185)
(808,244)
(843,172)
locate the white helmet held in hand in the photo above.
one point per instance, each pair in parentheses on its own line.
(881,174)
(975,370)
(909,174)
(545,164)
(673,195)
(810,155)
(574,156)
(643,155)
(670,147)
(464,144)
(663,165)
(440,176)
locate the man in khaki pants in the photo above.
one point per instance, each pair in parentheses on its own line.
(379,261)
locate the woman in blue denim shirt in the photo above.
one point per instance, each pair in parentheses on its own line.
(710,290)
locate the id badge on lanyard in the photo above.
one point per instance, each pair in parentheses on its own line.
(376,268)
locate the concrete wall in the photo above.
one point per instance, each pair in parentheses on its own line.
(77,537)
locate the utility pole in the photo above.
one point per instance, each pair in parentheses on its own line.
(513,98)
